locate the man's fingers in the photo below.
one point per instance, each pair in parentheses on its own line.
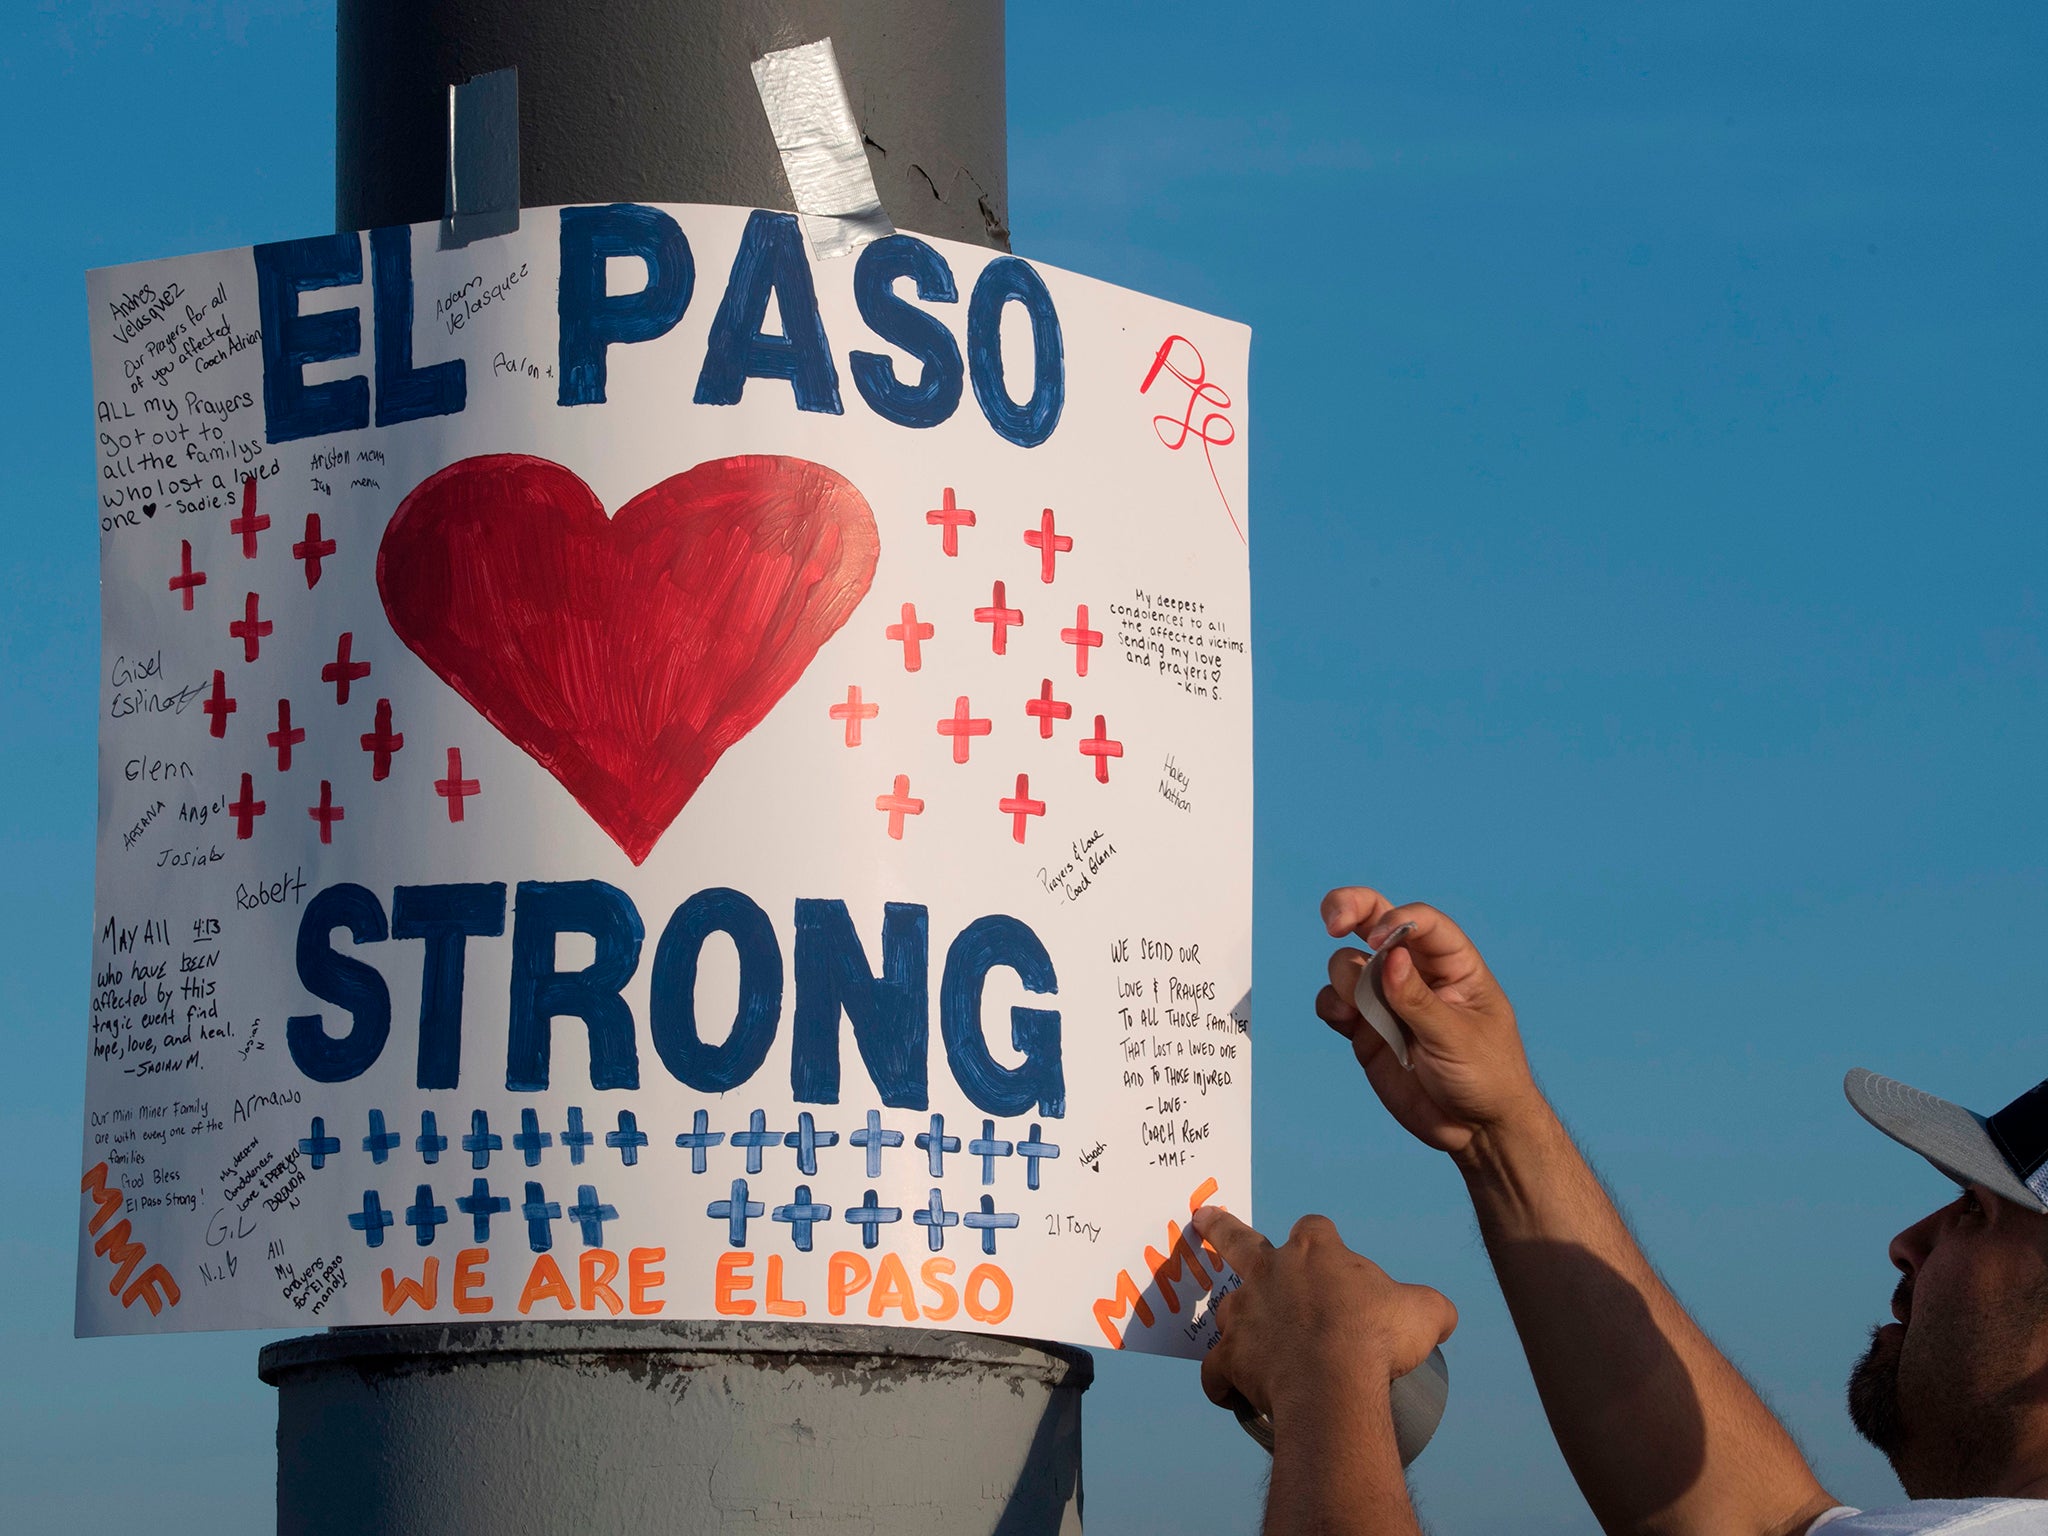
(1346,965)
(1427,1016)
(1216,1383)
(1241,1246)
(1441,1307)
(1337,1011)
(1352,909)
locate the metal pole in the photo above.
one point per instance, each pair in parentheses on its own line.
(653,100)
(687,1428)
(682,1427)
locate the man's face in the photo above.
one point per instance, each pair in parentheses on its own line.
(1948,1390)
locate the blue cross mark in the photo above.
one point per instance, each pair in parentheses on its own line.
(380,1142)
(935,1144)
(1031,1149)
(317,1144)
(935,1218)
(807,1138)
(697,1138)
(987,1219)
(480,1205)
(430,1143)
(591,1216)
(628,1138)
(874,1138)
(576,1139)
(480,1143)
(988,1149)
(800,1213)
(540,1212)
(736,1211)
(424,1217)
(531,1138)
(869,1216)
(754,1138)
(372,1219)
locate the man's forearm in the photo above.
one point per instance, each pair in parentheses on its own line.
(1660,1431)
(1337,1468)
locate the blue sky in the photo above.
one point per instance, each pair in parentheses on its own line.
(1648,551)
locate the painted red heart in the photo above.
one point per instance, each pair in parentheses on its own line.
(625,654)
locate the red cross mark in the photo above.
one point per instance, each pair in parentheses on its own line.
(341,671)
(312,549)
(963,728)
(1047,709)
(853,711)
(219,705)
(249,629)
(455,788)
(246,810)
(381,742)
(187,578)
(249,524)
(1020,806)
(951,518)
(327,813)
(911,633)
(999,617)
(1081,638)
(286,736)
(899,805)
(1102,749)
(1049,545)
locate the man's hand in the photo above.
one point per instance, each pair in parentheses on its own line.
(1314,1328)
(1470,1079)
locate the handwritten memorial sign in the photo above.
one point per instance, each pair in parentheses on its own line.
(645,774)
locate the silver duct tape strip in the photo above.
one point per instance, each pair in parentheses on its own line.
(483,159)
(821,148)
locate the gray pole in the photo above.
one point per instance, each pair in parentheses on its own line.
(680,1427)
(653,100)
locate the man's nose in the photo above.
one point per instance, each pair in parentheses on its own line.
(1911,1247)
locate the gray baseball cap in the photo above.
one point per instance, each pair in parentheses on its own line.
(2006,1153)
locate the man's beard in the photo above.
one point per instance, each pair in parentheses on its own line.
(1945,1435)
(1874,1397)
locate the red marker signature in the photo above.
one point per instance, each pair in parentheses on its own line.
(1183,360)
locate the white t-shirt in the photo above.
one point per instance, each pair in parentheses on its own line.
(1991,1517)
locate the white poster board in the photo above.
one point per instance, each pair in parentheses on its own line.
(644,774)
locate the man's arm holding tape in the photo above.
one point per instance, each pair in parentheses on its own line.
(1661,1432)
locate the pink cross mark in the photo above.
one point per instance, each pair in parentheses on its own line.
(249,524)
(911,633)
(249,629)
(951,518)
(1049,545)
(312,549)
(1102,749)
(327,813)
(1081,638)
(286,736)
(246,809)
(963,727)
(187,578)
(1020,806)
(899,805)
(342,671)
(381,742)
(1047,708)
(455,787)
(853,712)
(1000,618)
(218,705)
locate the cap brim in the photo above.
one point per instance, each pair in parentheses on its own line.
(1949,1136)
